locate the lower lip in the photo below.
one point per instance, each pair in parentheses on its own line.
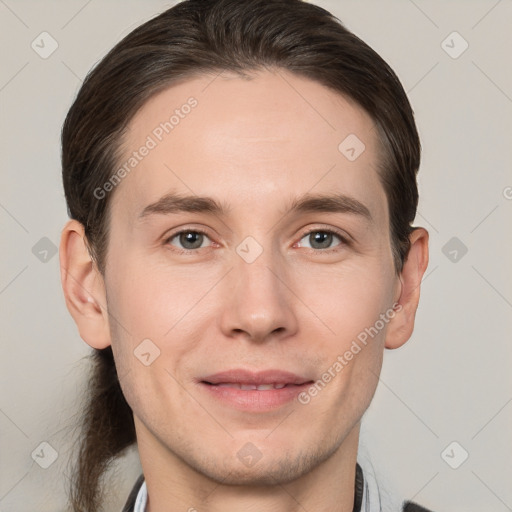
(253,399)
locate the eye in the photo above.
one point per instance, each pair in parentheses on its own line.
(187,239)
(317,239)
(321,239)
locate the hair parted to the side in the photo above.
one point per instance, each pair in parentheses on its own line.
(209,36)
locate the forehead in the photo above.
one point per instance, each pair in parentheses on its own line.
(253,140)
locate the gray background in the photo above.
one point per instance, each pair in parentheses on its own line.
(451,382)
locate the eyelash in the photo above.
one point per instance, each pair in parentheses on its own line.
(344,241)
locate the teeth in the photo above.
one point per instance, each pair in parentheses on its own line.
(247,387)
(250,387)
(265,386)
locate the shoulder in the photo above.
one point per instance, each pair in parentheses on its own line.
(369,495)
(409,506)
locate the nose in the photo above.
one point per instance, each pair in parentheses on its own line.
(259,304)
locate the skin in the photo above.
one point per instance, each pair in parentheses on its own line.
(254,146)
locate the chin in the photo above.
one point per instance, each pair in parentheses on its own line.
(263,472)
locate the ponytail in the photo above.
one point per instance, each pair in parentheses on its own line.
(107,428)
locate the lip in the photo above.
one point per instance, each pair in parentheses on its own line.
(242,376)
(224,387)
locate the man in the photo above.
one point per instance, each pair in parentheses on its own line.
(241,179)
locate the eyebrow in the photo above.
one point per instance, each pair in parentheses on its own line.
(307,203)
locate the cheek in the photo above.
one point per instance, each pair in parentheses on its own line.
(356,306)
(144,309)
(161,311)
(150,301)
(350,300)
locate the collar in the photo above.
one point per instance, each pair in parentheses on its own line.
(366,494)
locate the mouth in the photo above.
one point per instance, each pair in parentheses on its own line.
(254,391)
(248,387)
(261,380)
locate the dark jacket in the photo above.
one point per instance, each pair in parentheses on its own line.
(408,506)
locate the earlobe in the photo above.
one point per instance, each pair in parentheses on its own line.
(83,287)
(401,326)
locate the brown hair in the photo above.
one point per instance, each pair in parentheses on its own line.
(209,36)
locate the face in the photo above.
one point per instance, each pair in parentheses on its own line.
(249,248)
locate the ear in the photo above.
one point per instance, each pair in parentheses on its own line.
(401,326)
(83,287)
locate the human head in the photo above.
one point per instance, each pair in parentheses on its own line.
(190,39)
(199,37)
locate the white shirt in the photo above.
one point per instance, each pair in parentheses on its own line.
(142,499)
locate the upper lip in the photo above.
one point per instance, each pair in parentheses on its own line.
(241,376)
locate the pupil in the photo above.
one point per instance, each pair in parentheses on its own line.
(322,238)
(191,238)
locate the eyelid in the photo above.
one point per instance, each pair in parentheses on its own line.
(189,229)
(344,237)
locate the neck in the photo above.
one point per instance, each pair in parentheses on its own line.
(173,485)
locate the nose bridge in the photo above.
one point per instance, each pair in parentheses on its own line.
(259,277)
(260,303)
